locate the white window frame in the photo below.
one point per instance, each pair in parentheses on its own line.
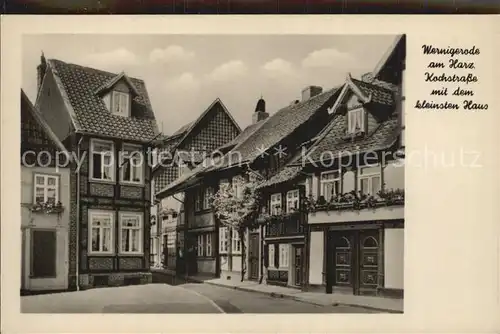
(207,197)
(200,240)
(324,182)
(271,255)
(369,177)
(291,197)
(198,200)
(120,103)
(223,240)
(93,142)
(208,244)
(236,242)
(127,149)
(101,214)
(46,187)
(356,120)
(284,256)
(274,201)
(140,228)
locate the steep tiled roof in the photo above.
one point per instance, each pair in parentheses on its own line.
(183,129)
(281,125)
(247,132)
(286,174)
(89,112)
(379,93)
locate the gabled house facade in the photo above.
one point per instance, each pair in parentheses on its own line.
(45,204)
(105,120)
(352,179)
(179,154)
(252,155)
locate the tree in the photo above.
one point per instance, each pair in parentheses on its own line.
(236,207)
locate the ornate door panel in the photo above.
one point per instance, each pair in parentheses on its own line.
(343,260)
(368,261)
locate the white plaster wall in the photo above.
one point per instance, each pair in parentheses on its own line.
(316,257)
(394,258)
(394,175)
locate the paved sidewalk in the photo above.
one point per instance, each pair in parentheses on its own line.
(392,305)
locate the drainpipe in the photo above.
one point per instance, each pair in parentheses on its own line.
(78,217)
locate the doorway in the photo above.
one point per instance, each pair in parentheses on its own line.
(352,261)
(298,263)
(253,257)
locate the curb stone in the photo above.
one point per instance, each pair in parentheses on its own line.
(280,295)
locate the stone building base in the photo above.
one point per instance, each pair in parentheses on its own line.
(88,281)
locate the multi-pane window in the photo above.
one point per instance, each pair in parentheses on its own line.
(223,240)
(275,204)
(207,197)
(131,164)
(198,200)
(330,184)
(101,232)
(271,255)
(204,244)
(101,159)
(283,256)
(370,180)
(292,201)
(46,188)
(121,103)
(130,233)
(236,242)
(356,120)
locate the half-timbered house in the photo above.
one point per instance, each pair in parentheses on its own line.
(106,120)
(45,204)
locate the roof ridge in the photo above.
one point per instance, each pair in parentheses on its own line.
(374,85)
(93,69)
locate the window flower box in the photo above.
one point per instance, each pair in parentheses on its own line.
(47,207)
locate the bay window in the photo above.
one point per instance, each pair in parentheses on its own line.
(356,120)
(330,184)
(198,200)
(292,201)
(46,189)
(131,164)
(275,204)
(130,233)
(101,160)
(370,180)
(101,232)
(207,197)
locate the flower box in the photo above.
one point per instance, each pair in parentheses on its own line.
(47,207)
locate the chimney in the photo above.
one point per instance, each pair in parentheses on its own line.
(367,77)
(260,111)
(41,71)
(311,91)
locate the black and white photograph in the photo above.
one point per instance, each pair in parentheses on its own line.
(212,173)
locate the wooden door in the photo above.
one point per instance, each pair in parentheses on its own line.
(368,261)
(343,261)
(298,263)
(253,256)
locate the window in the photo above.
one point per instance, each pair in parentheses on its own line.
(101,232)
(271,255)
(236,242)
(197,200)
(283,259)
(121,103)
(204,244)
(170,239)
(207,198)
(46,188)
(130,233)
(369,180)
(223,239)
(356,120)
(292,201)
(330,184)
(131,164)
(200,244)
(275,204)
(101,160)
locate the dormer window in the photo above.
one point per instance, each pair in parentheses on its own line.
(356,121)
(121,103)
